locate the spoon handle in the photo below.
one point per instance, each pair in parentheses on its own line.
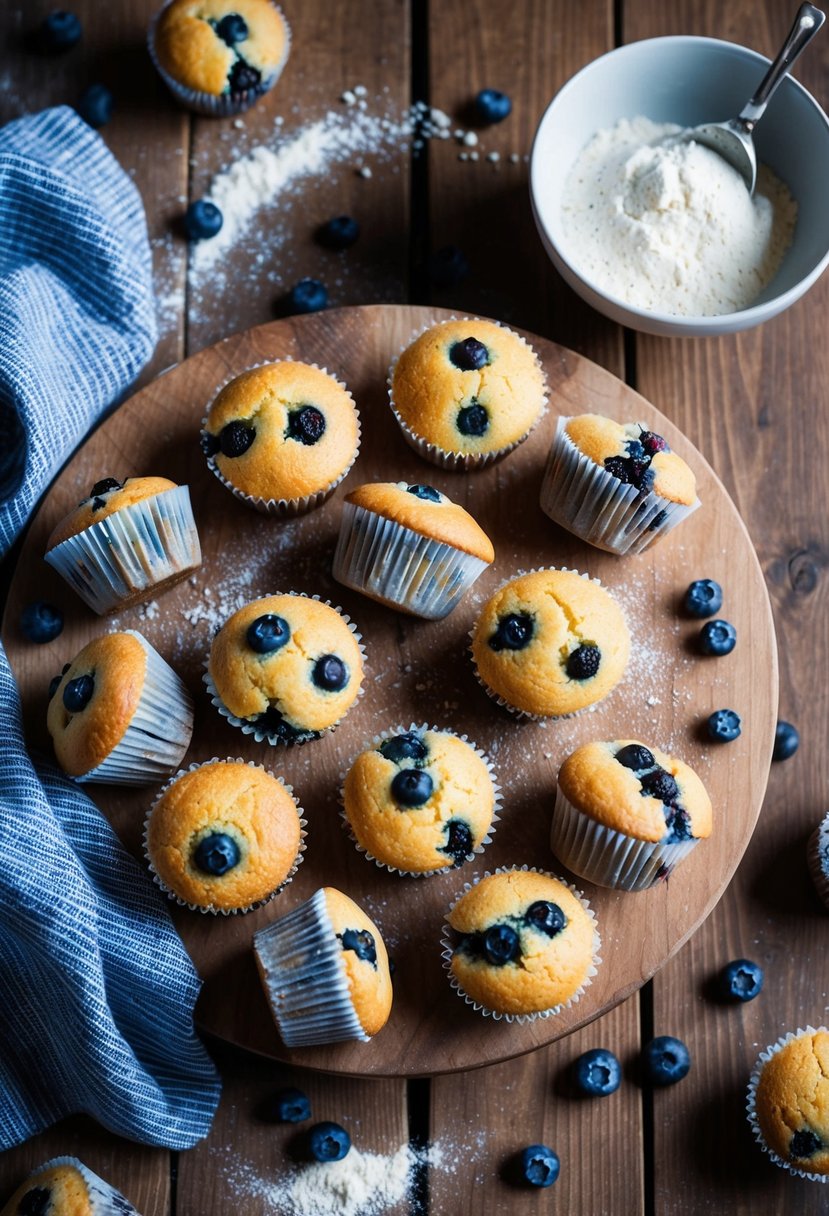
(806,24)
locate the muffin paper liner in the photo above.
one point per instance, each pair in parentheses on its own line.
(259,903)
(585,499)
(460,461)
(222,105)
(817,856)
(302,970)
(250,728)
(479,848)
(400,567)
(158,735)
(751,1102)
(521,1018)
(609,858)
(131,551)
(283,508)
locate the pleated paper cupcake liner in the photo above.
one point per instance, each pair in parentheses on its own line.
(284,508)
(590,502)
(751,1102)
(222,105)
(609,858)
(485,839)
(447,953)
(302,970)
(128,556)
(158,736)
(466,462)
(817,857)
(400,567)
(258,903)
(103,1199)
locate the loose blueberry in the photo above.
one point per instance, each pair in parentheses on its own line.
(41,622)
(216,854)
(95,105)
(636,757)
(202,219)
(583,662)
(786,741)
(741,980)
(362,943)
(492,105)
(289,1105)
(338,233)
(104,486)
(235,438)
(514,632)
(653,443)
(659,784)
(328,1142)
(724,725)
(703,598)
(35,1202)
(330,673)
(459,842)
(408,746)
(273,723)
(232,29)
(427,493)
(539,1165)
(545,916)
(501,945)
(306,425)
(804,1144)
(717,638)
(448,266)
(469,355)
(78,693)
(243,77)
(597,1073)
(472,420)
(665,1060)
(268,633)
(411,787)
(308,295)
(59,31)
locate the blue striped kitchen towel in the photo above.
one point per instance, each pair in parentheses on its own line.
(96,990)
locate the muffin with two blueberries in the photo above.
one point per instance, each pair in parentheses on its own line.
(788,1103)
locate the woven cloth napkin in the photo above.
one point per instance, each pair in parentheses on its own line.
(96,990)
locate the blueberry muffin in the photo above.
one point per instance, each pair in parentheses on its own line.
(325,972)
(616,485)
(410,547)
(625,814)
(218,56)
(521,945)
(420,800)
(224,836)
(282,436)
(285,668)
(817,855)
(126,542)
(465,393)
(550,643)
(788,1103)
(64,1186)
(118,713)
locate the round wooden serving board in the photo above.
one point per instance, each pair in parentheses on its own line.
(420,671)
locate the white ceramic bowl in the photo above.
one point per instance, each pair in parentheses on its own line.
(687,80)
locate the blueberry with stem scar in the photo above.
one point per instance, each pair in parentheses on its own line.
(539,1166)
(268,633)
(597,1073)
(514,632)
(216,854)
(469,355)
(501,945)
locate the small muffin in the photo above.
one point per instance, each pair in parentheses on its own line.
(465,393)
(788,1103)
(224,836)
(325,972)
(282,436)
(218,57)
(616,485)
(64,1186)
(817,855)
(625,814)
(285,668)
(524,945)
(118,713)
(420,801)
(550,643)
(409,547)
(127,542)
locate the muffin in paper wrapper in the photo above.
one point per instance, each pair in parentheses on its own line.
(100,1198)
(817,857)
(751,1102)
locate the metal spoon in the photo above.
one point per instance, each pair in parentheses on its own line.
(732,139)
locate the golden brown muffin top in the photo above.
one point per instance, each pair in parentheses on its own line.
(105,498)
(364,958)
(645,456)
(424,510)
(792,1102)
(191,50)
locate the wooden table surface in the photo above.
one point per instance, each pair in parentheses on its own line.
(753,405)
